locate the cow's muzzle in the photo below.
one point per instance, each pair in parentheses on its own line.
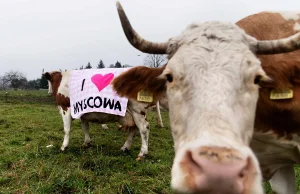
(217,170)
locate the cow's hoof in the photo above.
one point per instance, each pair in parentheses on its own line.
(125,149)
(63,148)
(86,144)
(139,158)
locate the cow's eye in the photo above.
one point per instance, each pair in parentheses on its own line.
(169,77)
(257,79)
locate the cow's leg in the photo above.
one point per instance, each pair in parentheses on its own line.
(104,126)
(128,142)
(144,128)
(159,115)
(85,128)
(67,120)
(283,181)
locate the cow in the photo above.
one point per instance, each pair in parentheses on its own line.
(161,104)
(276,139)
(135,114)
(212,82)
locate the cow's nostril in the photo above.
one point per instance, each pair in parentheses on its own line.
(242,174)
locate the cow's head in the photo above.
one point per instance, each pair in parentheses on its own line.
(54,79)
(211,81)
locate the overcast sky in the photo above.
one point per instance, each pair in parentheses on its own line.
(65,34)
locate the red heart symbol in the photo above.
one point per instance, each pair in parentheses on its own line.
(101,81)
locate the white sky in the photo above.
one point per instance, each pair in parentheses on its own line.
(65,34)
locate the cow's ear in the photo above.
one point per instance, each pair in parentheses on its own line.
(48,76)
(136,79)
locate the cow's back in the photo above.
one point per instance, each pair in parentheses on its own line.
(280,116)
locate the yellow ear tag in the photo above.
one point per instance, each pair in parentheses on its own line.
(145,96)
(278,94)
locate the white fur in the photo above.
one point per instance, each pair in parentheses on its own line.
(85,129)
(290,15)
(297,26)
(213,72)
(129,140)
(67,121)
(160,122)
(50,91)
(64,85)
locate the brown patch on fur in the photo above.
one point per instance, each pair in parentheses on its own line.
(191,173)
(129,83)
(63,101)
(219,154)
(280,116)
(55,79)
(143,113)
(127,122)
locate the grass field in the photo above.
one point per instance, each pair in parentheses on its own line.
(28,166)
(42,92)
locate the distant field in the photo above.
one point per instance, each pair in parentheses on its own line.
(43,92)
(26,96)
(28,166)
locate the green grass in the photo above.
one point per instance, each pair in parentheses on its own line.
(26,96)
(28,166)
(24,92)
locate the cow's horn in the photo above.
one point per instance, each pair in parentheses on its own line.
(136,40)
(284,45)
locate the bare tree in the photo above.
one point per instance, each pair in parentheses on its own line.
(14,79)
(3,85)
(155,60)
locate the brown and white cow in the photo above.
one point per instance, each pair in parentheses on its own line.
(135,114)
(276,139)
(212,82)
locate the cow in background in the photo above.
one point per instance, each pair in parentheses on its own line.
(212,82)
(161,104)
(135,115)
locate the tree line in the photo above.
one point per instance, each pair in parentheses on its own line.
(101,65)
(17,80)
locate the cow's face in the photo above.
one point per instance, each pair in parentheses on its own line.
(54,79)
(211,82)
(50,91)
(212,87)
